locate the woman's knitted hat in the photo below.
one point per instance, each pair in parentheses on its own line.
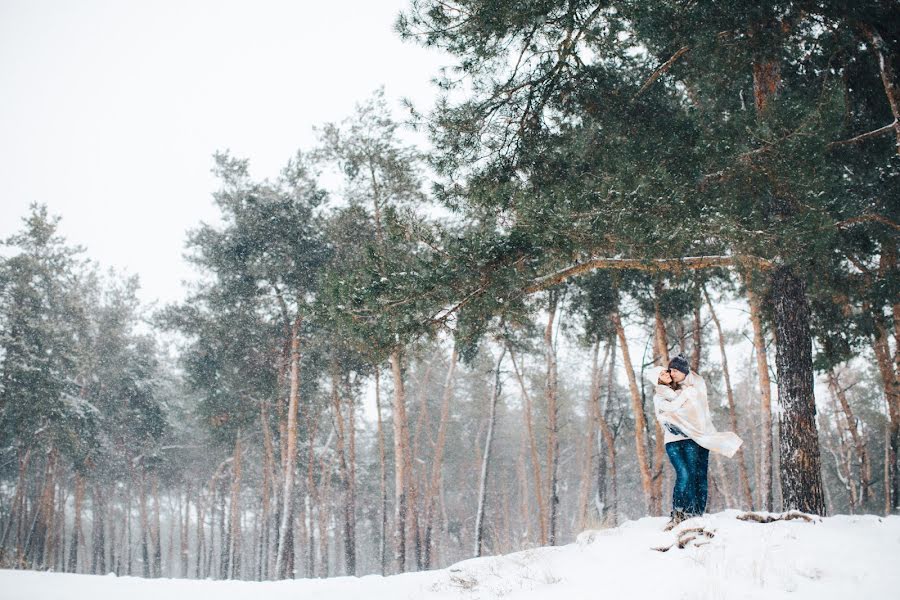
(680,363)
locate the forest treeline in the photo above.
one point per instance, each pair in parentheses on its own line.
(434,358)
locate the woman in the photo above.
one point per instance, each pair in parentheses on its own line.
(689,434)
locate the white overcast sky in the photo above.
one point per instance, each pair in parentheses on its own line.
(110,111)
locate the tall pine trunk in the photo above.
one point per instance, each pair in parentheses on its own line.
(438,461)
(401,476)
(485,461)
(801,473)
(552,389)
(732,409)
(284,562)
(532,446)
(640,421)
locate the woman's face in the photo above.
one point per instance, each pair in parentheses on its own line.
(665,377)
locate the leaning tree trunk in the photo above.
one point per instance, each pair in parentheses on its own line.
(859,444)
(638,409)
(485,461)
(532,446)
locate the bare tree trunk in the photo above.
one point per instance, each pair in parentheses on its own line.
(842,457)
(609,435)
(157,542)
(762,368)
(593,411)
(234,534)
(889,379)
(659,450)
(77,531)
(284,562)
(437,465)
(46,508)
(185,522)
(732,410)
(697,338)
(862,454)
(532,444)
(552,389)
(801,473)
(267,550)
(640,422)
(17,508)
(351,472)
(382,542)
(98,531)
(344,469)
(401,476)
(482,491)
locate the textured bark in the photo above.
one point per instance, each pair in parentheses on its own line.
(551,390)
(732,409)
(640,421)
(486,457)
(801,475)
(532,446)
(401,476)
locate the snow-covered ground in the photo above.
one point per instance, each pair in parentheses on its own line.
(846,557)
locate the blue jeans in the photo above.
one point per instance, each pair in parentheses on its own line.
(690,461)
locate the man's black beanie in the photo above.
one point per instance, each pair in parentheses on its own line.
(680,363)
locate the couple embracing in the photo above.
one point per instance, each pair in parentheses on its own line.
(689,434)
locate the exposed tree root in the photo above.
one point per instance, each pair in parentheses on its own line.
(687,536)
(788,516)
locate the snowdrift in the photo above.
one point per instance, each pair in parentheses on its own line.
(713,557)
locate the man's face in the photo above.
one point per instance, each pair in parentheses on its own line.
(677,376)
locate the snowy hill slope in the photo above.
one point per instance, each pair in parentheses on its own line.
(845,557)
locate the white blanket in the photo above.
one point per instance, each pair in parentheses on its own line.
(688,410)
